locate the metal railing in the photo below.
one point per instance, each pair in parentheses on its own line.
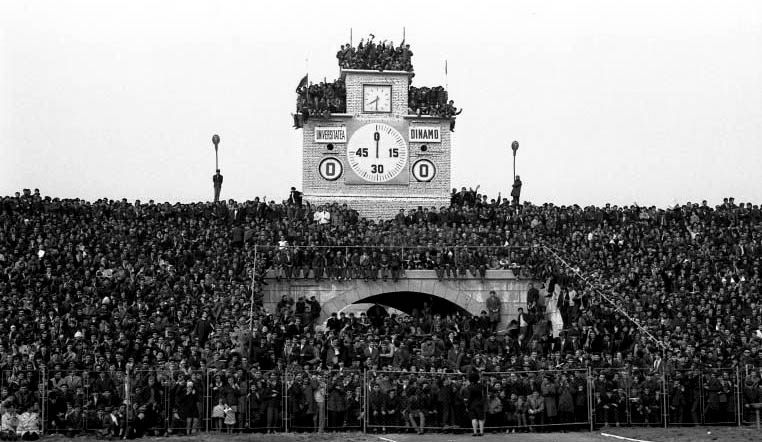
(390,261)
(224,401)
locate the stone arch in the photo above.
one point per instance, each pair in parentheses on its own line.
(465,301)
(469,293)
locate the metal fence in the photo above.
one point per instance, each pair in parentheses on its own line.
(22,390)
(390,261)
(520,400)
(326,400)
(164,402)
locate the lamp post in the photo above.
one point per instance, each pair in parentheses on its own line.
(216,141)
(514,147)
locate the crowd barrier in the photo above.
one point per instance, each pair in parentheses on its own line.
(163,402)
(562,395)
(458,261)
(27,387)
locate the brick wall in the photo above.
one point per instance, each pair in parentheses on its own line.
(377,200)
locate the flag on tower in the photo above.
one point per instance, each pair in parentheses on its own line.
(302,83)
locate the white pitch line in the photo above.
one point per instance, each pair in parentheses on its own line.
(623,438)
(386,439)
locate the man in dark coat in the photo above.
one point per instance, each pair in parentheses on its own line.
(516,190)
(295,197)
(494,306)
(217,180)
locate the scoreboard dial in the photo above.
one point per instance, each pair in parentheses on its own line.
(377,152)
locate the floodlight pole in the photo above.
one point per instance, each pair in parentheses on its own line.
(514,147)
(216,142)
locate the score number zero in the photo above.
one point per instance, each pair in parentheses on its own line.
(424,170)
(331,169)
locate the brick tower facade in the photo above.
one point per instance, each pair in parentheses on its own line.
(376,157)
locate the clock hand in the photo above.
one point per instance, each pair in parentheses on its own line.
(376,100)
(377,137)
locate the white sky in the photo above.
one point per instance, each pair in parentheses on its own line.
(612,101)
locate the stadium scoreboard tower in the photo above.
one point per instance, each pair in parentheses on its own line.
(377,158)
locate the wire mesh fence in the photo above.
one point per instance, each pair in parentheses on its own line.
(22,389)
(522,400)
(146,402)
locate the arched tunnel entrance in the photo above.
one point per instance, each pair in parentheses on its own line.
(464,295)
(409,303)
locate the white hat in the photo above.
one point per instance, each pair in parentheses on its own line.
(79,335)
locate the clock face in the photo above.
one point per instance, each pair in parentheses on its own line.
(376,98)
(377,153)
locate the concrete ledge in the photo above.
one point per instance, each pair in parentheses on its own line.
(426,117)
(345,196)
(417,275)
(328,118)
(376,71)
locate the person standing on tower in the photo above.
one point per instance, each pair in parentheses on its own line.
(217,180)
(516,190)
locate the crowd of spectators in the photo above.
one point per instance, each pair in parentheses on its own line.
(319,101)
(383,56)
(149,316)
(431,101)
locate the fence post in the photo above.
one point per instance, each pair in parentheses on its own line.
(739,408)
(701,397)
(128,399)
(590,399)
(207,399)
(284,392)
(664,401)
(365,401)
(167,411)
(43,397)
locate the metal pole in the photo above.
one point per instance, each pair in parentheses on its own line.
(217,160)
(590,400)
(739,410)
(514,166)
(701,396)
(663,374)
(365,401)
(44,398)
(253,288)
(284,391)
(208,402)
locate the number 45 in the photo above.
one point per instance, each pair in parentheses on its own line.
(362,152)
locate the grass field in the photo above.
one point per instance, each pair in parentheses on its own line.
(698,434)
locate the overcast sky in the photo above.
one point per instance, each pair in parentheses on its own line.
(654,102)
